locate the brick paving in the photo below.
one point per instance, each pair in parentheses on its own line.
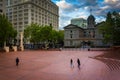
(55,65)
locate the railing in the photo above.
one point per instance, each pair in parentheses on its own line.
(85,49)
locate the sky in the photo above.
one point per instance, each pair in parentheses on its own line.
(69,9)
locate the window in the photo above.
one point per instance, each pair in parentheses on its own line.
(26,6)
(20,15)
(26,22)
(1,10)
(20,23)
(71,43)
(1,5)
(25,18)
(15,23)
(94,34)
(25,10)
(71,36)
(84,34)
(26,14)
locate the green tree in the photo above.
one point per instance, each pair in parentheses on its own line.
(36,33)
(7,32)
(61,37)
(54,37)
(111,28)
(32,33)
(43,34)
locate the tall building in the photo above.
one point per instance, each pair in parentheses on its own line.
(24,12)
(2,6)
(79,22)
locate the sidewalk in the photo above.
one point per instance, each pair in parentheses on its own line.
(55,65)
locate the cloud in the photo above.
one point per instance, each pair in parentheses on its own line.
(111,1)
(62,4)
(106,6)
(114,5)
(99,19)
(69,9)
(90,2)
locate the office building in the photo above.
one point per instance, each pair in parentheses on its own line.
(24,12)
(2,6)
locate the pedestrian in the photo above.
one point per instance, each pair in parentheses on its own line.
(71,63)
(17,61)
(88,49)
(78,61)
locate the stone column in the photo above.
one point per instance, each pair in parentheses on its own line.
(6,48)
(21,41)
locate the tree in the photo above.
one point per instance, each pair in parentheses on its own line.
(46,33)
(43,34)
(61,37)
(111,28)
(32,33)
(7,32)
(36,33)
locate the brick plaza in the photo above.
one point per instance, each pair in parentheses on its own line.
(55,65)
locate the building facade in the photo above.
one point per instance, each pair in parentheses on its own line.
(2,7)
(72,35)
(24,12)
(76,36)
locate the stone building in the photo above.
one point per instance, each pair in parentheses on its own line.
(77,36)
(72,35)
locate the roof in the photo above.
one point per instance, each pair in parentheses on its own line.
(91,17)
(72,26)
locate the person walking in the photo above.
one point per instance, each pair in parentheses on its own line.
(78,61)
(71,63)
(17,61)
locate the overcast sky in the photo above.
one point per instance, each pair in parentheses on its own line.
(69,9)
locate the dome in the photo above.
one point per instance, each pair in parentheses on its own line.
(91,17)
(91,21)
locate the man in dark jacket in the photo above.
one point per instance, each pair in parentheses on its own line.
(17,61)
(78,61)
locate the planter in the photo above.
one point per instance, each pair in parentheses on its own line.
(6,49)
(14,48)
